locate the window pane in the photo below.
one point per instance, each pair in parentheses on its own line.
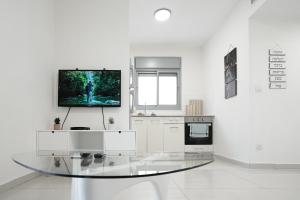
(147,90)
(168,90)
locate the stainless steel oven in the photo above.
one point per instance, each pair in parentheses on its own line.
(198,130)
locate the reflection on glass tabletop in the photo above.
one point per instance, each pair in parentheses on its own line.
(100,165)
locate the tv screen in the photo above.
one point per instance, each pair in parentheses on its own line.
(89,88)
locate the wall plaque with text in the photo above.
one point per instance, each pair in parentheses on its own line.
(276,52)
(277,59)
(274,65)
(277,72)
(277,69)
(278,85)
(277,78)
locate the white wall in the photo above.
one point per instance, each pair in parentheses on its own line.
(259,125)
(191,73)
(275,113)
(37,38)
(231,127)
(26,38)
(92,35)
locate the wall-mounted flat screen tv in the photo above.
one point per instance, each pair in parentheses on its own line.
(89,88)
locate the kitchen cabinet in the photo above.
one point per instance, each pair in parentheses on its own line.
(173,137)
(154,135)
(159,134)
(140,125)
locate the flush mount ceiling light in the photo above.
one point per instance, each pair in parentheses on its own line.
(162,14)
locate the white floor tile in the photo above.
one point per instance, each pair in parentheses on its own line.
(272,181)
(211,179)
(241,194)
(36,194)
(47,182)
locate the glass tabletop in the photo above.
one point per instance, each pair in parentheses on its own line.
(100,165)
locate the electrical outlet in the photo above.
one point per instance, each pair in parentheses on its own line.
(259,147)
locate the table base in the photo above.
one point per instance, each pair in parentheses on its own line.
(106,189)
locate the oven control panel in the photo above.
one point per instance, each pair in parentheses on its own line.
(198,119)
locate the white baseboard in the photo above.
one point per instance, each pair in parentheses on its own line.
(18,181)
(259,165)
(233,161)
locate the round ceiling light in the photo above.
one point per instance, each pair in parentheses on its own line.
(162,14)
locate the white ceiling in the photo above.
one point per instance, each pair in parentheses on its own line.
(279,10)
(192,21)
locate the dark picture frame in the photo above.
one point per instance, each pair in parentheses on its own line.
(230,74)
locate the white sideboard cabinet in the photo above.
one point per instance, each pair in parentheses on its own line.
(62,142)
(159,134)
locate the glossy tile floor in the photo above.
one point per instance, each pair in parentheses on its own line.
(219,180)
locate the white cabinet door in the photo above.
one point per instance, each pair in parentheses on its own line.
(155,135)
(119,141)
(140,126)
(173,137)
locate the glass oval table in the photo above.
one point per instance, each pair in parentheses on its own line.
(101,176)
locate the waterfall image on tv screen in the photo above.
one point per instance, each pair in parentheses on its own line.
(88,88)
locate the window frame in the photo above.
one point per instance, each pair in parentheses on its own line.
(158,72)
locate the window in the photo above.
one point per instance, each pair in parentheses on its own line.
(147,90)
(167,89)
(158,89)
